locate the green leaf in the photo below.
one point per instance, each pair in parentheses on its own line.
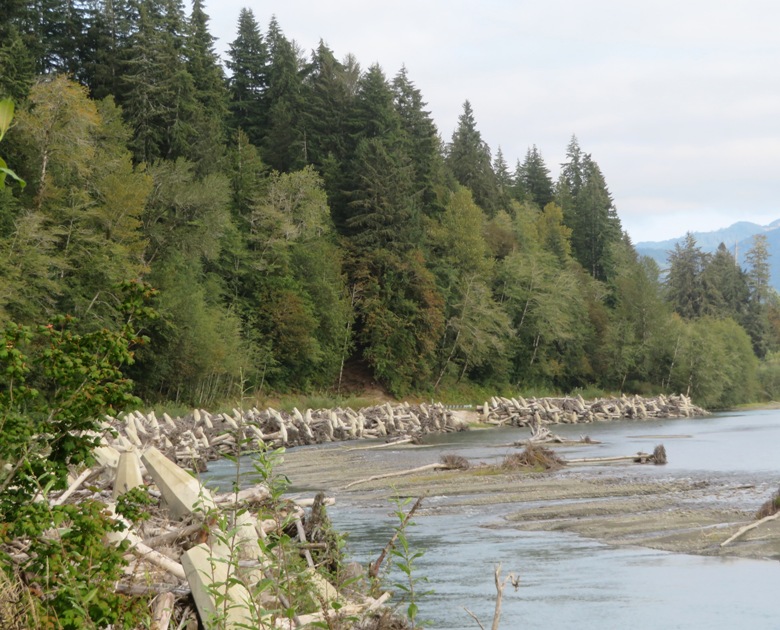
(6,115)
(7,171)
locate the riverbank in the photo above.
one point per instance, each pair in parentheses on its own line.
(619,504)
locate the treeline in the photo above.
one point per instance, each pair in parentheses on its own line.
(299,213)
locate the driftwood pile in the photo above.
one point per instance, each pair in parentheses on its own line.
(206,549)
(201,436)
(532,412)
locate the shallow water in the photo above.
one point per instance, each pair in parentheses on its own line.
(567,581)
(571,582)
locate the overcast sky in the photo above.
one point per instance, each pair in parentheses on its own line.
(677,100)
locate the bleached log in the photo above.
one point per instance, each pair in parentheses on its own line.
(385,445)
(163,611)
(743,530)
(399,473)
(73,487)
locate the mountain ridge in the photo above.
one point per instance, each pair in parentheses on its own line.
(737,237)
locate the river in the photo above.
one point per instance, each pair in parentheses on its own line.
(568,581)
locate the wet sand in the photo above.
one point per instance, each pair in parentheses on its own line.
(616,503)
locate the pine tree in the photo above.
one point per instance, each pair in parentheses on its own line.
(16,63)
(158,91)
(384,212)
(726,285)
(329,97)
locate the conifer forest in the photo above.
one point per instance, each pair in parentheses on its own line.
(301,220)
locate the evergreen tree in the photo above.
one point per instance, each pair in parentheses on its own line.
(758,275)
(685,289)
(468,159)
(283,144)
(159,95)
(589,211)
(504,181)
(760,302)
(384,212)
(248,63)
(535,181)
(17,73)
(726,285)
(329,97)
(210,92)
(420,139)
(374,114)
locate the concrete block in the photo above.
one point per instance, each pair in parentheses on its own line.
(128,473)
(182,493)
(207,572)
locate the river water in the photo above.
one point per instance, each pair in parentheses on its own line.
(567,581)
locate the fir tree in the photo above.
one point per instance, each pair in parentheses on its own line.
(468,159)
(248,63)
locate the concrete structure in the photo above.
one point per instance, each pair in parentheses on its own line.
(128,473)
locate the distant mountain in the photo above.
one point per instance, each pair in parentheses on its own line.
(737,237)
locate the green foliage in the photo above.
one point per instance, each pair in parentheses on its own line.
(369,240)
(130,505)
(54,386)
(73,567)
(468,159)
(712,362)
(405,558)
(6,116)
(399,311)
(769,377)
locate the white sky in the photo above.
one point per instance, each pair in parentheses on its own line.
(677,100)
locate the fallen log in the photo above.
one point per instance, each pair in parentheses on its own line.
(385,445)
(399,473)
(173,536)
(743,530)
(163,611)
(74,486)
(605,460)
(658,457)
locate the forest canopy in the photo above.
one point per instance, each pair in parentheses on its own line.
(299,214)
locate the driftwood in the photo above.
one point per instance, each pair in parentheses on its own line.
(390,444)
(399,473)
(162,611)
(743,530)
(520,412)
(302,538)
(200,437)
(500,586)
(74,486)
(159,559)
(152,589)
(173,536)
(658,457)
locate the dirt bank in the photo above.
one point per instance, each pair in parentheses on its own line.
(616,504)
